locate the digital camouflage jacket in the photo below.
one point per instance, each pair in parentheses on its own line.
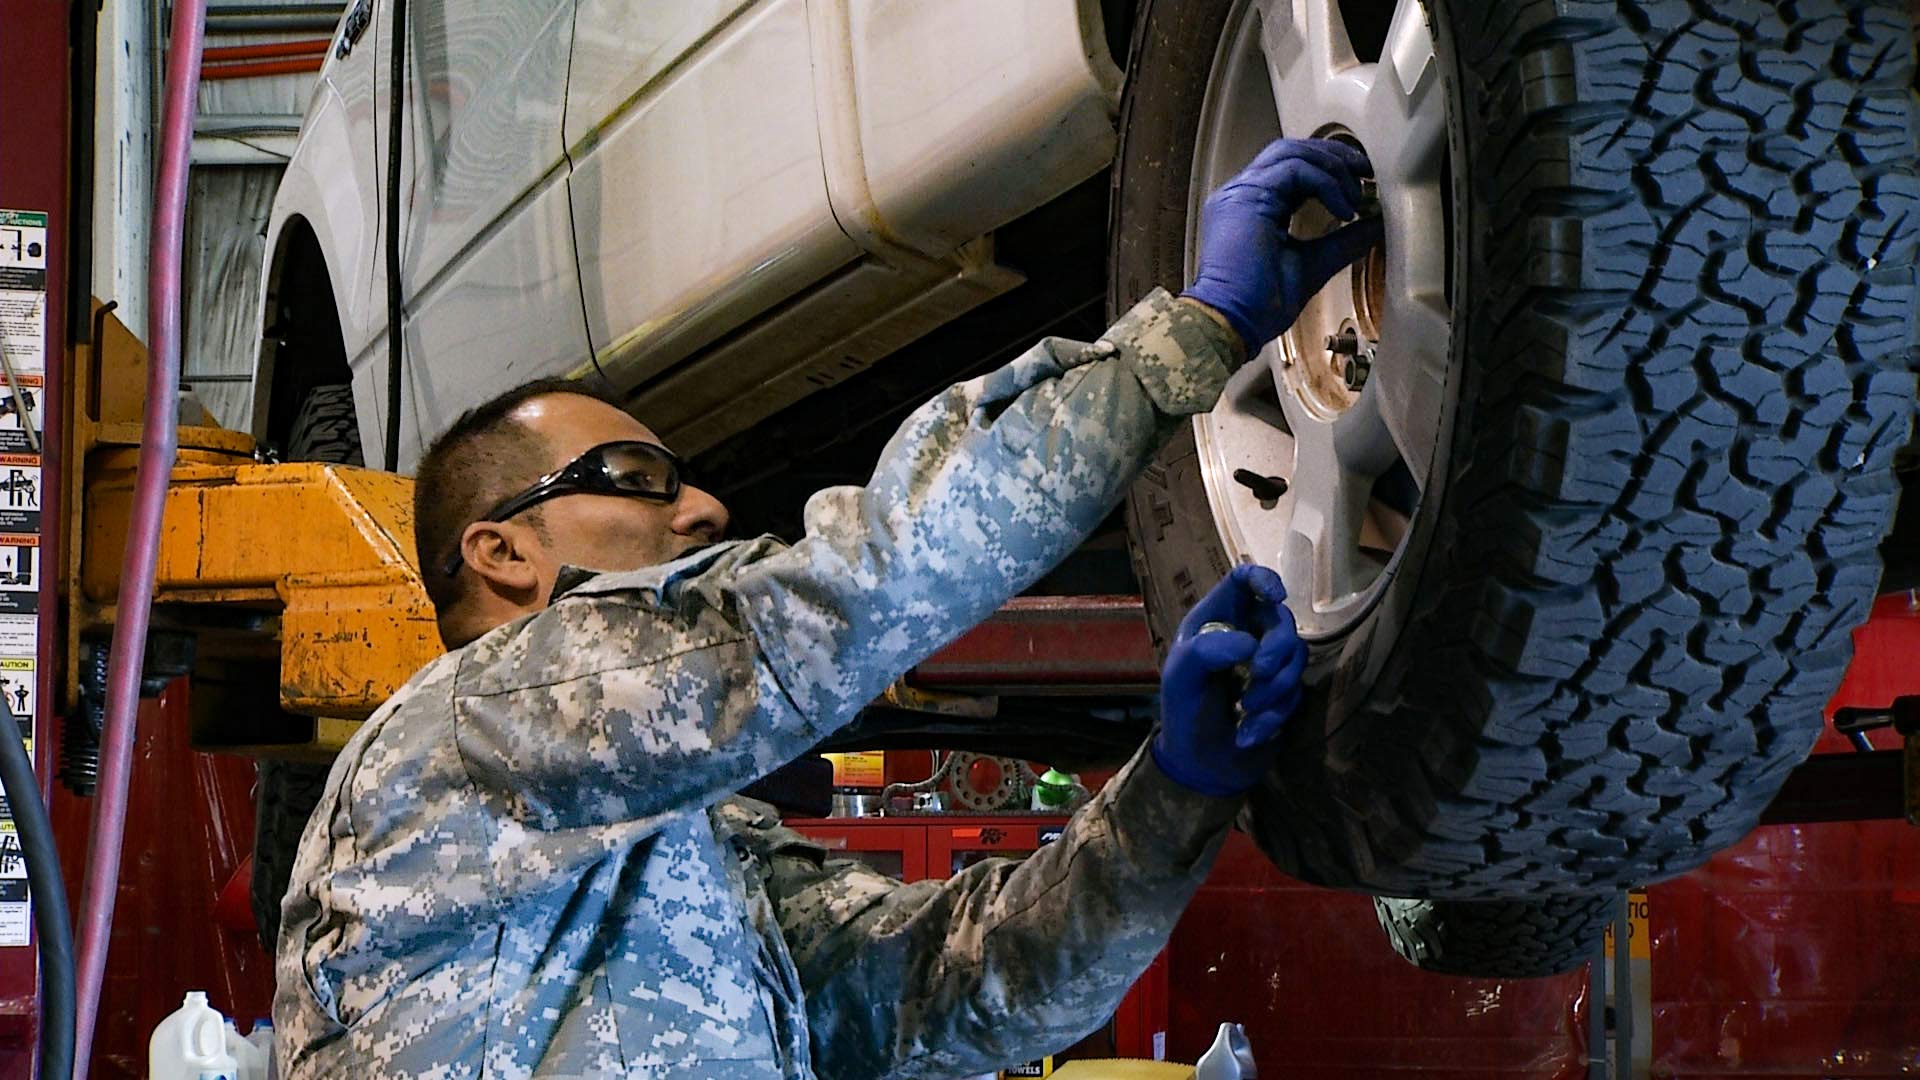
(529,863)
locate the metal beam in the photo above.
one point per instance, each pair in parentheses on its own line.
(1045,645)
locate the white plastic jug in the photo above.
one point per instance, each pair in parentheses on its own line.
(252,1063)
(262,1039)
(191,1044)
(1229,1058)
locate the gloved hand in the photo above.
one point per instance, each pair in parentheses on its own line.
(1202,744)
(1251,270)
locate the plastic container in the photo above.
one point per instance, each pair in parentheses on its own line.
(252,1063)
(191,1044)
(262,1039)
(1229,1058)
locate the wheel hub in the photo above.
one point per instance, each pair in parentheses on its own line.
(1342,414)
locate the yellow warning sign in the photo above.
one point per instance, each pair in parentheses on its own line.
(1639,938)
(868,770)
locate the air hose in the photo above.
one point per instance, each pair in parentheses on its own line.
(159,441)
(49,894)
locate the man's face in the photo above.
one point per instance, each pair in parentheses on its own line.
(612,532)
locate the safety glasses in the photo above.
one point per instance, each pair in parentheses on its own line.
(640,470)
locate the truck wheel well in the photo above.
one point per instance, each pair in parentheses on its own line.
(301,343)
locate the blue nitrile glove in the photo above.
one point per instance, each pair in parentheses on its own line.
(1203,744)
(1251,270)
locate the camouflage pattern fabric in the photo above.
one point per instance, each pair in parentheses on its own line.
(526,863)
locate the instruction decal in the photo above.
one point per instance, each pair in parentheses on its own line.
(19,576)
(23,290)
(19,493)
(23,370)
(20,408)
(19,635)
(16,907)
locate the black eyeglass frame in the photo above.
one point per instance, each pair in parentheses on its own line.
(585,475)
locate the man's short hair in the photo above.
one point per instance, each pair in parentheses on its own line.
(485,457)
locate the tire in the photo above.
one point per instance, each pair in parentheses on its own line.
(285,792)
(284,795)
(1500,939)
(1682,296)
(326,428)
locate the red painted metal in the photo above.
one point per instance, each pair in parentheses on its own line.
(33,176)
(1051,645)
(1795,953)
(221,54)
(189,827)
(260,69)
(1323,997)
(1886,659)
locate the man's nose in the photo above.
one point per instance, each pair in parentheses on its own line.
(697,513)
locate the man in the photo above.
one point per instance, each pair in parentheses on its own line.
(528,863)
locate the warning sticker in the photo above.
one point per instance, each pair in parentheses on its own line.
(867,770)
(17,692)
(19,493)
(19,410)
(16,907)
(19,581)
(1639,943)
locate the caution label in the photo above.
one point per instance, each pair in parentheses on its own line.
(1639,938)
(864,770)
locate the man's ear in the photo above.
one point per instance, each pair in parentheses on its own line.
(504,554)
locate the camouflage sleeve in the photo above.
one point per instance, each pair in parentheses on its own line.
(1008,960)
(651,691)
(980,492)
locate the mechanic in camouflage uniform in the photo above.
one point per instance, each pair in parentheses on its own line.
(530,862)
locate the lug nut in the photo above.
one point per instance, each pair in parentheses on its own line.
(1357,368)
(1346,343)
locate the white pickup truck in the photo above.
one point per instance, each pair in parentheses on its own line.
(1578,484)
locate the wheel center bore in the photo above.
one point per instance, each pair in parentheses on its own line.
(1329,353)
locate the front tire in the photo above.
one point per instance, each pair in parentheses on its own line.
(1680,289)
(286,792)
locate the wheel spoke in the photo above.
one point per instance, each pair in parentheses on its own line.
(1322,545)
(1310,64)
(1255,392)
(1405,126)
(1409,379)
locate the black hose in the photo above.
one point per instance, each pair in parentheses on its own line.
(49,893)
(396,95)
(86,32)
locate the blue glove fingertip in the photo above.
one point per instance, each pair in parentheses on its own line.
(1259,729)
(1263,581)
(1220,650)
